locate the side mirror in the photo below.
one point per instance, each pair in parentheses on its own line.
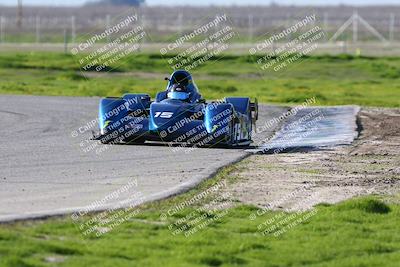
(166,79)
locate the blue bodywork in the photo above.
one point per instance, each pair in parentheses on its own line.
(176,117)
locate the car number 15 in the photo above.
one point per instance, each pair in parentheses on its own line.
(165,114)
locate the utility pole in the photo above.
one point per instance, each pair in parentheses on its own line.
(73,29)
(108,23)
(355,26)
(288,23)
(251,27)
(2,22)
(65,41)
(391,27)
(19,14)
(325,26)
(180,23)
(37,29)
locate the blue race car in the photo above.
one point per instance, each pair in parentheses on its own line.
(177,115)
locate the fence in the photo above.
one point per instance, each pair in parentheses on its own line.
(162,24)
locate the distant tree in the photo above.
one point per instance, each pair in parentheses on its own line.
(122,2)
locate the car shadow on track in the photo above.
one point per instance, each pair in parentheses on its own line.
(176,145)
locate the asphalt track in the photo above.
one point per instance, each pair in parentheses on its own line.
(45,171)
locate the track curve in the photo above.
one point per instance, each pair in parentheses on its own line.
(45,171)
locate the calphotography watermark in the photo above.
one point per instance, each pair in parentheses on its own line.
(283,222)
(205,213)
(295,132)
(102,51)
(116,125)
(278,52)
(202,217)
(294,211)
(195,48)
(105,214)
(275,121)
(192,132)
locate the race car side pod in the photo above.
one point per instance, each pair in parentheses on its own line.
(218,120)
(116,114)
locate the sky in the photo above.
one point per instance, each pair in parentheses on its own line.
(215,2)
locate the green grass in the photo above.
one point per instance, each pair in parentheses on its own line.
(358,232)
(333,80)
(354,233)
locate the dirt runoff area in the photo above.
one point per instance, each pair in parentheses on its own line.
(299,180)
